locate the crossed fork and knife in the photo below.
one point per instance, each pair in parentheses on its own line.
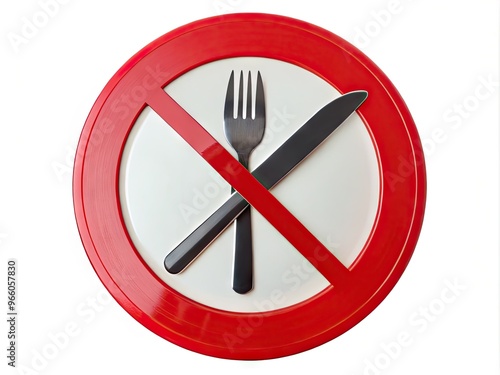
(244,133)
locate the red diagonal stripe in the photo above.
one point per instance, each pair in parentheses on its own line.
(243,181)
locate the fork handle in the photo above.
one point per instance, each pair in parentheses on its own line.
(243,253)
(243,257)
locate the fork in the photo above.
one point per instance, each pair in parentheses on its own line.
(244,134)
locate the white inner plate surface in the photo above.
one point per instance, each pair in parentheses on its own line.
(167,189)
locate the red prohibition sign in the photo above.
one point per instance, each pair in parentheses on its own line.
(354,291)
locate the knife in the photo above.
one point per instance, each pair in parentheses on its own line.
(269,173)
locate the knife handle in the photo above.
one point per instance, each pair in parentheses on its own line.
(180,257)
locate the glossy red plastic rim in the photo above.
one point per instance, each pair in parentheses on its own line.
(254,335)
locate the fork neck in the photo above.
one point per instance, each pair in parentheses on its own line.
(244,159)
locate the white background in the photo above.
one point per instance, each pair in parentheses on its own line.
(440,55)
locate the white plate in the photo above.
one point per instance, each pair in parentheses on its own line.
(167,189)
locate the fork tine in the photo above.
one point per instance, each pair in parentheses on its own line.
(229,103)
(249,96)
(240,97)
(260,105)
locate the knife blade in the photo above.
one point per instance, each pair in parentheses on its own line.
(305,140)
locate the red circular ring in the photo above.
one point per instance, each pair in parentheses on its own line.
(254,335)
